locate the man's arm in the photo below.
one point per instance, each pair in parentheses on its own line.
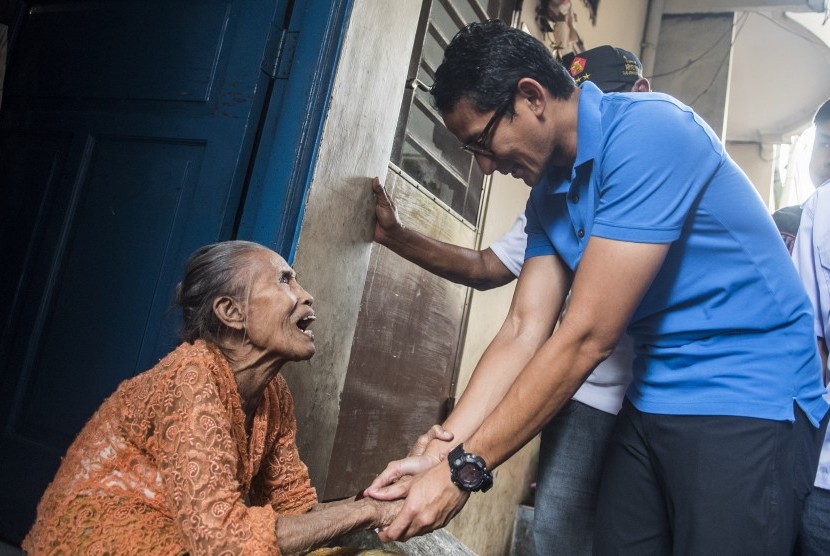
(481,270)
(536,305)
(599,312)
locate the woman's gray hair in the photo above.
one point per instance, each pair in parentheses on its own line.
(213,271)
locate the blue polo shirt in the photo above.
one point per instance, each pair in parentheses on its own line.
(726,327)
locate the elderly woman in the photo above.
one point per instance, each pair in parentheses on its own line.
(198,454)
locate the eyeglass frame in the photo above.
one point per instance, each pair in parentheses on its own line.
(479,144)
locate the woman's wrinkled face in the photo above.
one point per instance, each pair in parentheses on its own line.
(279,311)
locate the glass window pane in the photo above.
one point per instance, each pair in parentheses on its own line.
(428,151)
(436,179)
(473,200)
(466,11)
(432,54)
(443,21)
(438,139)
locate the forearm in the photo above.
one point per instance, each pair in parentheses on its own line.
(537,302)
(542,388)
(323,524)
(499,366)
(598,315)
(481,270)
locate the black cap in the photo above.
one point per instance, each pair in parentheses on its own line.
(609,68)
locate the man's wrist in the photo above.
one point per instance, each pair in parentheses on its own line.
(394,235)
(469,471)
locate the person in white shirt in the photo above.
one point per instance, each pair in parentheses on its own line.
(811,255)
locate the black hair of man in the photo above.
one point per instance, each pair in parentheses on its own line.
(823,113)
(485,61)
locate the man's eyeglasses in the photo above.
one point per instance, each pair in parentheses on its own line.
(479,146)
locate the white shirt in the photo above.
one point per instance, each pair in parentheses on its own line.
(604,389)
(811,255)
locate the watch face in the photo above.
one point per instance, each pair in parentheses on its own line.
(469,474)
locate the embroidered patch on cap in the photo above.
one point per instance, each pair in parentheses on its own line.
(577,66)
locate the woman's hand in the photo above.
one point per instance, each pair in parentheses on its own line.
(384,512)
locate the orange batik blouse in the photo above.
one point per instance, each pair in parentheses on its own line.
(165,466)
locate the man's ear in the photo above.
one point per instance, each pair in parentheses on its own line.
(531,91)
(229,313)
(641,86)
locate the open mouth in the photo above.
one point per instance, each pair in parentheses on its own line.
(304,323)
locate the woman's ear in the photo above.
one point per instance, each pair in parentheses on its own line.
(229,313)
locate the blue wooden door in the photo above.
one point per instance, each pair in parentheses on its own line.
(127,133)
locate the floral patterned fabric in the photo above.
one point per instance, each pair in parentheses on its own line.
(165,467)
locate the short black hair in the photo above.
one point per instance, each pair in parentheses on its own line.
(823,113)
(485,61)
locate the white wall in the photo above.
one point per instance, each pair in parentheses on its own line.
(620,23)
(336,238)
(757,165)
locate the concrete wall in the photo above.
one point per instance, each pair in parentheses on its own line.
(704,84)
(619,24)
(333,251)
(757,164)
(485,524)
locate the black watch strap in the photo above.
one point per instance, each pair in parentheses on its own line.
(468,471)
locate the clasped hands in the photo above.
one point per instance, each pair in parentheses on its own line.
(431,498)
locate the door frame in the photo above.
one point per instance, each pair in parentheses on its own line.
(272,207)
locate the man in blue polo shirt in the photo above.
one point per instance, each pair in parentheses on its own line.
(636,207)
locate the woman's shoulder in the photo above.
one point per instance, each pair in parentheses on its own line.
(189,364)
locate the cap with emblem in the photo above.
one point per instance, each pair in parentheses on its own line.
(609,68)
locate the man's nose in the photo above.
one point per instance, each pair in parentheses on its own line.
(486,163)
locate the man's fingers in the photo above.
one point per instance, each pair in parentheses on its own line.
(399,528)
(377,187)
(385,490)
(381,197)
(392,473)
(395,472)
(408,523)
(435,432)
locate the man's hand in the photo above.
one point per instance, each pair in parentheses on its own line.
(432,501)
(392,483)
(435,432)
(387,222)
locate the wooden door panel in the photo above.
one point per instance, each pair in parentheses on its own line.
(132,51)
(403,357)
(138,119)
(124,219)
(30,178)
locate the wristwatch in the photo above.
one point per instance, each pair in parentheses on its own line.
(468,471)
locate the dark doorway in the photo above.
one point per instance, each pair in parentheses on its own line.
(126,140)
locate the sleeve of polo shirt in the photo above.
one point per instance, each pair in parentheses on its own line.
(510,247)
(655,162)
(538,243)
